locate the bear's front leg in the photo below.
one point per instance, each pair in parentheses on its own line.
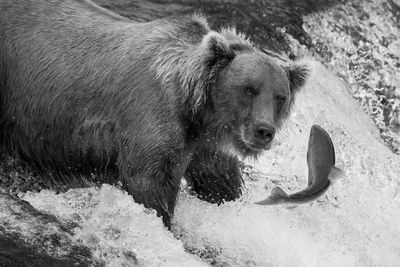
(154,180)
(215,176)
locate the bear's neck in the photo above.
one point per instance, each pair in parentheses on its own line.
(202,129)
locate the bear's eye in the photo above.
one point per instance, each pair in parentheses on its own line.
(250,91)
(280,101)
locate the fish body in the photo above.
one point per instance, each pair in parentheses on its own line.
(321,171)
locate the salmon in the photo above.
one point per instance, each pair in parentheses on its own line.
(322,171)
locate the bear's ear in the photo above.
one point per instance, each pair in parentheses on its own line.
(202,67)
(218,51)
(298,75)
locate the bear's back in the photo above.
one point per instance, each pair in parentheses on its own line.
(71,74)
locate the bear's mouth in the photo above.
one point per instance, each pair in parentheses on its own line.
(258,147)
(250,149)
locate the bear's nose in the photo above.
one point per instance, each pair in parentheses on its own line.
(264,132)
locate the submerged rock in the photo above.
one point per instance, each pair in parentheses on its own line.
(29,237)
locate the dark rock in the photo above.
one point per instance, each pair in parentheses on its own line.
(265,22)
(29,237)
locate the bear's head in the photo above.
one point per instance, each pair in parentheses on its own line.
(247,94)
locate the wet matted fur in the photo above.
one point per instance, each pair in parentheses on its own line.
(85,90)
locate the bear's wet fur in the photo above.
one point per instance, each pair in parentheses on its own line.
(84,90)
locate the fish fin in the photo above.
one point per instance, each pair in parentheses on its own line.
(276,194)
(291,207)
(335,174)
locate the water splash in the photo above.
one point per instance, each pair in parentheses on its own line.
(360,41)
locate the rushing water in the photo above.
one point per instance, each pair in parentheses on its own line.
(361,42)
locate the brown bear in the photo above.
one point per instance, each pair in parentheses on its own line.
(84,90)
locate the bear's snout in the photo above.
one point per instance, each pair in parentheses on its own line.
(263,133)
